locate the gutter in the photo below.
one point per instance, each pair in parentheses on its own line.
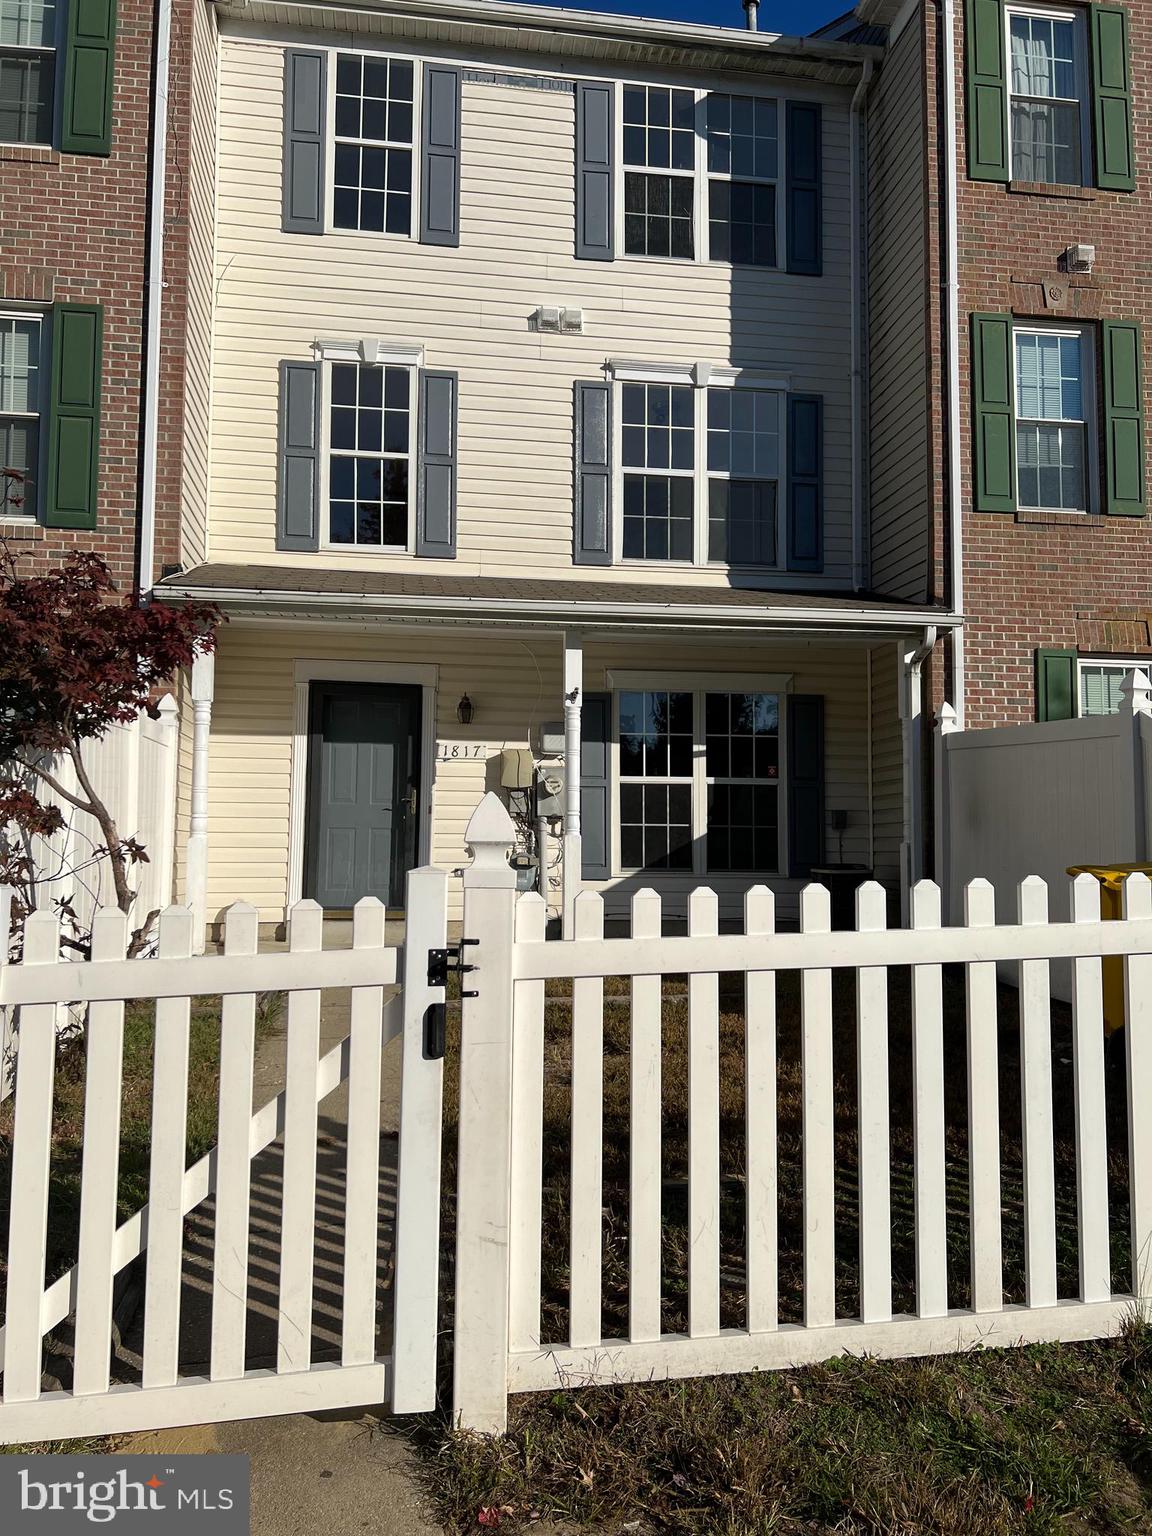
(952,327)
(859,203)
(146,555)
(596,613)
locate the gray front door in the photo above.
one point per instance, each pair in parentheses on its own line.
(363,792)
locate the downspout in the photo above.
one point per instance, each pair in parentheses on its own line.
(952,325)
(859,203)
(911,713)
(154,301)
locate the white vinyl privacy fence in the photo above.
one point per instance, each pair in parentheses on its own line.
(675,1155)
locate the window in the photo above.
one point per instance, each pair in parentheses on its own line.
(660,136)
(1046,89)
(1100,683)
(678,141)
(1051,420)
(658,434)
(372,163)
(370,416)
(699,780)
(743,472)
(19,413)
(743,154)
(701,473)
(27,70)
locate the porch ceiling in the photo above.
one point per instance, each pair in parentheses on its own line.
(294,592)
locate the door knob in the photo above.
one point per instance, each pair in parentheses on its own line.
(412,801)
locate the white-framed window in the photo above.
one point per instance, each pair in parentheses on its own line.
(1047,92)
(28,52)
(21,407)
(700,172)
(1054,406)
(372,125)
(369,451)
(698,776)
(701,466)
(1100,680)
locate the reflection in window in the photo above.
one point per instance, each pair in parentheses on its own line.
(1050,421)
(369,452)
(656,755)
(372,164)
(658,453)
(743,158)
(742,760)
(659,159)
(1045,99)
(743,473)
(20,406)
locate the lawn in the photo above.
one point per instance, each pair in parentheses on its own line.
(994,1442)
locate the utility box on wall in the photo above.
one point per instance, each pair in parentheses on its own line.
(549,792)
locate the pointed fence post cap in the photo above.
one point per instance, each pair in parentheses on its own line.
(946,721)
(1136,693)
(490,836)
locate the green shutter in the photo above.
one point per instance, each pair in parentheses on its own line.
(987,91)
(1123,419)
(1112,98)
(1056,685)
(74,416)
(86,120)
(993,414)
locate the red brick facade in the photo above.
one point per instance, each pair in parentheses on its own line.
(1033,580)
(74,228)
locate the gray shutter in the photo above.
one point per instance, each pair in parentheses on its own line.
(805,482)
(805,787)
(436,483)
(593,481)
(595,817)
(440,157)
(298,499)
(804,183)
(595,123)
(304,134)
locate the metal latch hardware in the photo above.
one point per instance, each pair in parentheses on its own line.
(441,961)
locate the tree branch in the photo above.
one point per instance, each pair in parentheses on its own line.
(124,893)
(55,784)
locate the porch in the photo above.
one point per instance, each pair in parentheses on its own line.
(640,736)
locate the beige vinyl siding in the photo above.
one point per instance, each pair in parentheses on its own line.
(900,525)
(887,764)
(201,279)
(515,684)
(470,307)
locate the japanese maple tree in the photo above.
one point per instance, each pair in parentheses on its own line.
(77,658)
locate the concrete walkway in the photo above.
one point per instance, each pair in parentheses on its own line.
(335,1473)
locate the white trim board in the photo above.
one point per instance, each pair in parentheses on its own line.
(424,675)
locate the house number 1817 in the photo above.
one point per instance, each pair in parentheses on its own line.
(460,751)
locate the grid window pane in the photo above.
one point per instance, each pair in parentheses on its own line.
(657,517)
(19,446)
(372,176)
(1046,124)
(27,23)
(26,98)
(659,128)
(1100,685)
(369,447)
(657,425)
(744,432)
(742,522)
(742,761)
(19,365)
(656,744)
(743,136)
(1051,464)
(742,223)
(658,215)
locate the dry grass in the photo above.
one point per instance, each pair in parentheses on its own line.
(981,1443)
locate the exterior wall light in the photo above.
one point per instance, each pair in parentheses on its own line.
(465,710)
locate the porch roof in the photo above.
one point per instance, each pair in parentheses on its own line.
(286,591)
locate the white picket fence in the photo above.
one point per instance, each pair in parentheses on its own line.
(504,1303)
(228,1384)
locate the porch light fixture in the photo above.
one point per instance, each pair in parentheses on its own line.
(464,710)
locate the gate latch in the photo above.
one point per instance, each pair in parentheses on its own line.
(441,961)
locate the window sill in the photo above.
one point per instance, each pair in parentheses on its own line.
(1059,519)
(20,530)
(1053,189)
(36,154)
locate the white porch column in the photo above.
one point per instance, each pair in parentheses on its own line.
(203,689)
(946,725)
(573,698)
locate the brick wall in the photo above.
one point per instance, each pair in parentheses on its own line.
(1032,580)
(74,228)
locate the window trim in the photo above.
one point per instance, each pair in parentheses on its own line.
(330,142)
(700,175)
(1127,663)
(326,544)
(702,377)
(40,416)
(1088,352)
(698,684)
(1079,21)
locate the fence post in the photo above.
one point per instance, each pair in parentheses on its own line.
(480,1387)
(7,1014)
(946,725)
(1135,710)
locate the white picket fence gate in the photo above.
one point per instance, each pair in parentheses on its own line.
(500,1342)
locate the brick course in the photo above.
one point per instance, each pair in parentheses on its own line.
(1034,580)
(74,228)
